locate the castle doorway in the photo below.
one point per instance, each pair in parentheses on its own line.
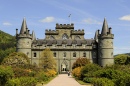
(64,66)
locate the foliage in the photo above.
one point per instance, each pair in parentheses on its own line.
(22,81)
(7,44)
(27,81)
(5,74)
(41,76)
(77,72)
(16,59)
(47,61)
(23,72)
(51,73)
(102,82)
(13,82)
(89,69)
(122,59)
(80,62)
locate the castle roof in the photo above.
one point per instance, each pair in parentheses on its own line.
(104,27)
(23,27)
(68,42)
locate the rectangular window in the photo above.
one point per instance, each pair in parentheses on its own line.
(54,54)
(35,54)
(84,54)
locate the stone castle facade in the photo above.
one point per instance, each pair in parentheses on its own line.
(67,45)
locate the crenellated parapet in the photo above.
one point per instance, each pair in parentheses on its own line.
(64,26)
(77,32)
(51,32)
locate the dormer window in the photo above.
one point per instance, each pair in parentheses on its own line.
(65,36)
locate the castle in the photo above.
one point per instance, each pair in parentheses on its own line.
(67,45)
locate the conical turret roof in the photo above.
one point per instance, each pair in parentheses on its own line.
(33,36)
(23,27)
(104,27)
(96,36)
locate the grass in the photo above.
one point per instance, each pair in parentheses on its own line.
(83,83)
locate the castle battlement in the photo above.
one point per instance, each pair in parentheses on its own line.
(77,32)
(64,26)
(52,32)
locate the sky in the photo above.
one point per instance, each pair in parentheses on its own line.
(85,14)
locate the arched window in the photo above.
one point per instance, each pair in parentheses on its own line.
(52,37)
(77,37)
(65,36)
(74,54)
(35,54)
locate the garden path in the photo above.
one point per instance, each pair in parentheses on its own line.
(64,80)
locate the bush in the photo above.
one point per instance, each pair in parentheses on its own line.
(41,76)
(6,73)
(23,72)
(102,82)
(87,79)
(13,82)
(80,62)
(27,81)
(88,70)
(51,73)
(77,72)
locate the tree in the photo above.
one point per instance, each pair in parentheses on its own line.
(47,61)
(122,59)
(80,62)
(16,59)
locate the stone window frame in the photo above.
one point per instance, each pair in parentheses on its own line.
(74,54)
(34,54)
(84,54)
(64,55)
(65,36)
(54,54)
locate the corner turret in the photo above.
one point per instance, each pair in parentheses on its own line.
(24,39)
(105,46)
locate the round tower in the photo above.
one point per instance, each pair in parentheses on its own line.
(105,47)
(24,40)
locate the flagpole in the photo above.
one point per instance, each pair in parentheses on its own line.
(70,18)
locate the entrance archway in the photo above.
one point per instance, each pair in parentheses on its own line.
(64,66)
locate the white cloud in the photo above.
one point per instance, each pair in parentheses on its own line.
(126,18)
(91,21)
(48,20)
(7,24)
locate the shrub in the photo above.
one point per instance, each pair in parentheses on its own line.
(77,72)
(51,73)
(27,81)
(80,62)
(23,72)
(87,79)
(88,70)
(41,76)
(13,82)
(102,82)
(6,73)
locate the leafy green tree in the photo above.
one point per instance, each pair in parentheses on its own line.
(122,59)
(80,62)
(47,61)
(16,59)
